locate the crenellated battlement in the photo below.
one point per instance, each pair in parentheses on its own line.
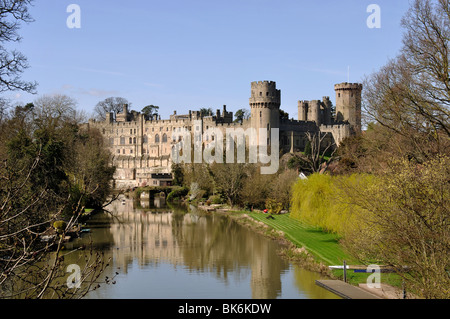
(260,84)
(348,86)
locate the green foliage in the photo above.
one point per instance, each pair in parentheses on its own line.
(284,115)
(60,226)
(178,176)
(241,115)
(406,223)
(216,199)
(273,206)
(322,200)
(177,193)
(150,110)
(307,150)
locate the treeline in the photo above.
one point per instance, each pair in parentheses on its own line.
(389,195)
(237,184)
(51,169)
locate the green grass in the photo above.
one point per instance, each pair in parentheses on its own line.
(324,246)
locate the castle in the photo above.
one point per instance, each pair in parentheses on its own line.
(142,147)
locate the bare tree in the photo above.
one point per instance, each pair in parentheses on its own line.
(410,95)
(12,62)
(111,104)
(320,145)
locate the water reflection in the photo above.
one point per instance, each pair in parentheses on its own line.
(178,252)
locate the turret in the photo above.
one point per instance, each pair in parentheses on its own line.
(348,104)
(265,104)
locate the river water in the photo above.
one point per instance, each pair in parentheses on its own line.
(175,252)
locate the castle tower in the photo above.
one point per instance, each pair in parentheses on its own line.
(314,112)
(302,110)
(265,104)
(348,104)
(327,106)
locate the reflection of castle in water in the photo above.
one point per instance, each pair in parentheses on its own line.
(197,242)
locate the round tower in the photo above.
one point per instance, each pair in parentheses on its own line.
(348,104)
(265,104)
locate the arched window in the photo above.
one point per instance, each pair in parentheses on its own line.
(164,138)
(134,140)
(157,138)
(145,139)
(130,140)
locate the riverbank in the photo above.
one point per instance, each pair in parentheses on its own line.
(308,247)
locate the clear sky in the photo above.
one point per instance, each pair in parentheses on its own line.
(188,54)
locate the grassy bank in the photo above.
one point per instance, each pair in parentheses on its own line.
(306,245)
(323,246)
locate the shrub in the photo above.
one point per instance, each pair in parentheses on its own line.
(273,206)
(216,199)
(177,193)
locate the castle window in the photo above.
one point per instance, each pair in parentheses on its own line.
(145,139)
(156,138)
(131,151)
(134,131)
(267,93)
(123,151)
(130,140)
(339,94)
(122,140)
(212,137)
(134,140)
(131,131)
(111,141)
(118,151)
(164,138)
(260,93)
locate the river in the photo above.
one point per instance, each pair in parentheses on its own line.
(176,252)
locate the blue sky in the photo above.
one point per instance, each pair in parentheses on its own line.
(183,55)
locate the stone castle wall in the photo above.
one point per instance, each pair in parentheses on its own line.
(142,148)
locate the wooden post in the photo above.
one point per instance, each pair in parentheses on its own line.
(404,289)
(345,271)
